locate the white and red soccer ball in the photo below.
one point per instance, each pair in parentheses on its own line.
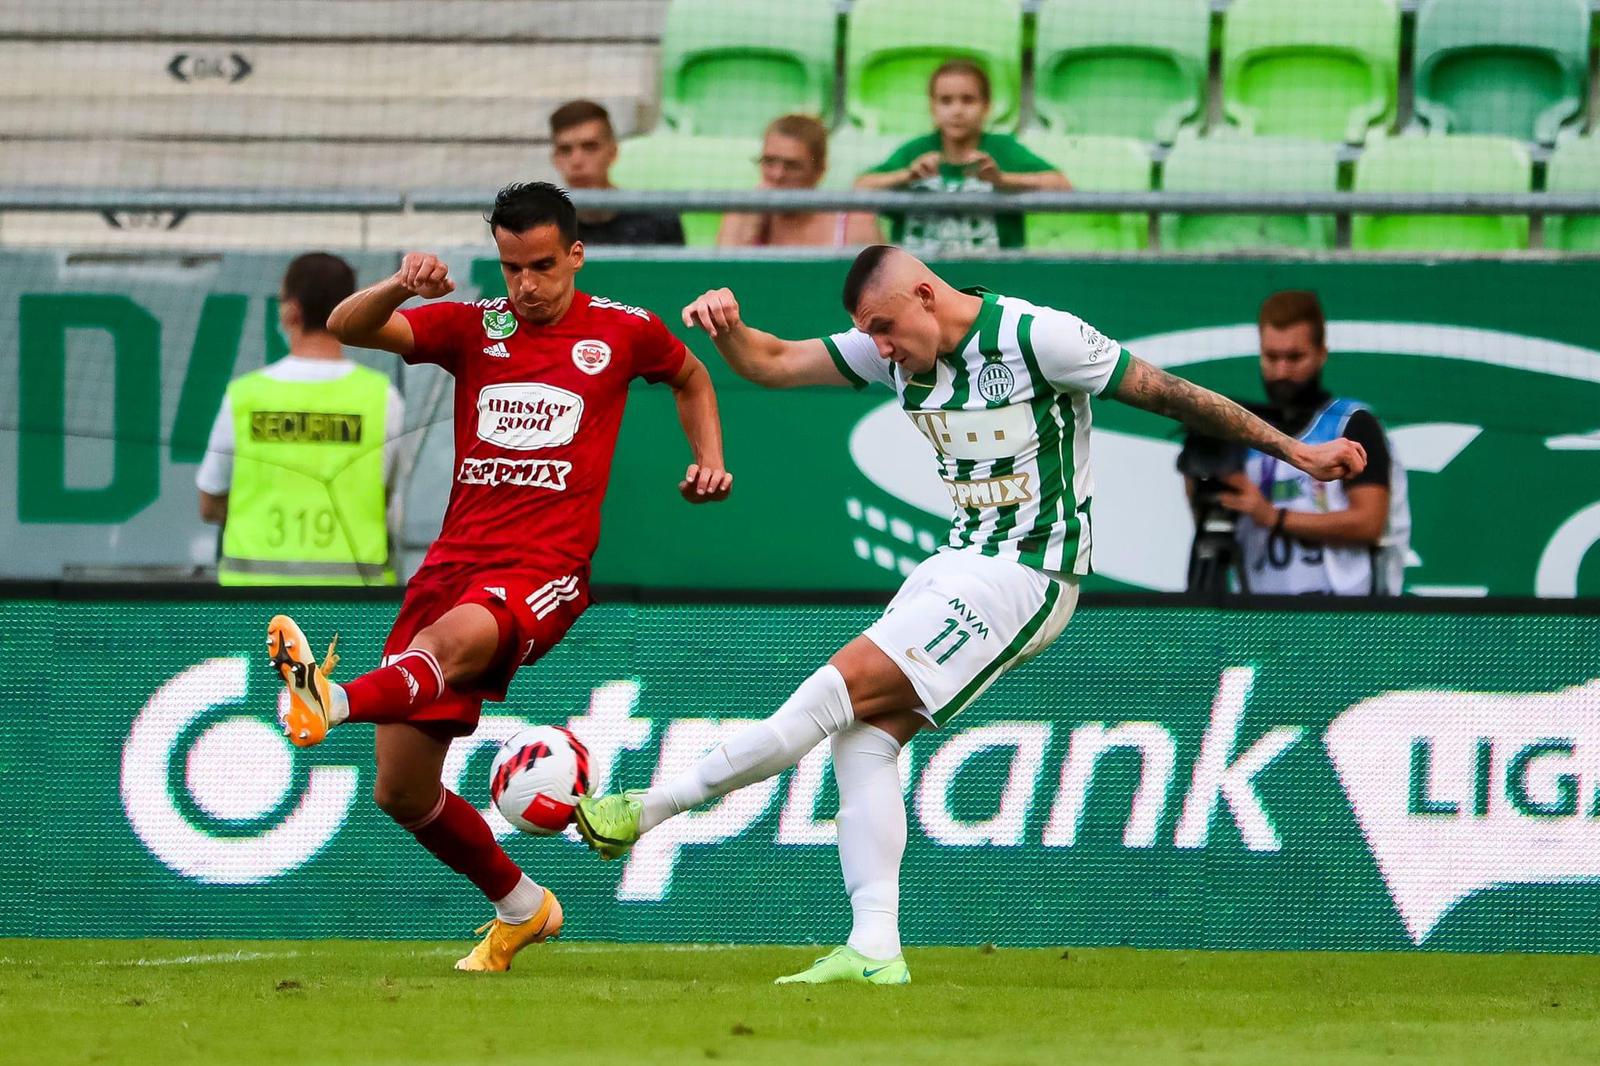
(537,778)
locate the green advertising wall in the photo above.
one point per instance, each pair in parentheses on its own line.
(1178,777)
(1486,373)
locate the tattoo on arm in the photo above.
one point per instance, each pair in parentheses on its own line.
(1152,389)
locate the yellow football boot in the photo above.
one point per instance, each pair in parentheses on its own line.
(495,951)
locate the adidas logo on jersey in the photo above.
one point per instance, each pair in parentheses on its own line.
(498,350)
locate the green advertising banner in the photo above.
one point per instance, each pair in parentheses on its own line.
(1174,777)
(1486,373)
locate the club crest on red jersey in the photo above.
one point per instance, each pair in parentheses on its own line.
(591,356)
(498,325)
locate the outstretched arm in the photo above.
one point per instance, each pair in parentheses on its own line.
(706,480)
(1152,389)
(756,355)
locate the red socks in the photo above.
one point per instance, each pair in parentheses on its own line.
(460,838)
(391,693)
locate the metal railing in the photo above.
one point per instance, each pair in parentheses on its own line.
(382,201)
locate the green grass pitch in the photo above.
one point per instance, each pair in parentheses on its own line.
(171,1002)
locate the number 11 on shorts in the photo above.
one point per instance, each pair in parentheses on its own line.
(961,636)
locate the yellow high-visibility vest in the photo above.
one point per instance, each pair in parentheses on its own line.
(307,505)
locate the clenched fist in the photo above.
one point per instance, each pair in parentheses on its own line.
(424,275)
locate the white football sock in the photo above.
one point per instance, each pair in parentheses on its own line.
(819,708)
(872,835)
(521,903)
(339,706)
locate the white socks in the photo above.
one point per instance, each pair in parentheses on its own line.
(872,835)
(819,708)
(521,903)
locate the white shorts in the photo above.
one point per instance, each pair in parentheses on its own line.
(962,619)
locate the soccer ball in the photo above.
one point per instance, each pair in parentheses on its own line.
(537,778)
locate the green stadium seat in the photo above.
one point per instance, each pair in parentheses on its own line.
(1517,68)
(892,47)
(1574,168)
(852,152)
(1323,70)
(1112,68)
(1441,164)
(731,66)
(1092,164)
(679,161)
(1226,163)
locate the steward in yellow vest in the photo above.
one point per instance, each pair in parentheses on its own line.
(298,452)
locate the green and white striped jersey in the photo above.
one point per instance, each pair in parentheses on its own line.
(1008,415)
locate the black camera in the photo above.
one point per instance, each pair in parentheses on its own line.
(1207,461)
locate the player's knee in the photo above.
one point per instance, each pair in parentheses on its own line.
(404,801)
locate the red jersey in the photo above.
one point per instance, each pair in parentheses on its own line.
(537,410)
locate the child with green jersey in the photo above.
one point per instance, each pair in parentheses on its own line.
(959,155)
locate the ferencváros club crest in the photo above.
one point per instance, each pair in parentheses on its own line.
(1453,441)
(995,382)
(498,325)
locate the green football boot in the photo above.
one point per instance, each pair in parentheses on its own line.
(848,964)
(610,824)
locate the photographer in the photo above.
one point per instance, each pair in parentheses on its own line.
(1295,535)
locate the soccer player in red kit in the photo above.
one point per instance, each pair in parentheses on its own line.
(541,380)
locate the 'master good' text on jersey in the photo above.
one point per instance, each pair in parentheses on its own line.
(537,410)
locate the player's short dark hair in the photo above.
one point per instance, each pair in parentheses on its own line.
(521,206)
(317,282)
(1291,307)
(862,271)
(576,113)
(967,67)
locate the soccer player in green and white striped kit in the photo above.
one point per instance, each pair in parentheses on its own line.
(1001,389)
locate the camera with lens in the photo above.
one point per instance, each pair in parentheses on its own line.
(1207,461)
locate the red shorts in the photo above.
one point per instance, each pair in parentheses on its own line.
(534,611)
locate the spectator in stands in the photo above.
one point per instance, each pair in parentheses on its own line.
(1298,535)
(302,454)
(794,155)
(959,156)
(583,147)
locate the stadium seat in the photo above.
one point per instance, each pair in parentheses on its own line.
(1517,69)
(1441,164)
(731,66)
(1092,164)
(676,161)
(311,90)
(892,47)
(211,231)
(852,152)
(303,164)
(492,21)
(1574,168)
(1118,69)
(1226,163)
(1323,70)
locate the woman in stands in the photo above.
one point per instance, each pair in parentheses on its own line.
(959,156)
(794,155)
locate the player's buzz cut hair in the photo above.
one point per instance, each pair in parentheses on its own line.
(317,282)
(521,206)
(862,271)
